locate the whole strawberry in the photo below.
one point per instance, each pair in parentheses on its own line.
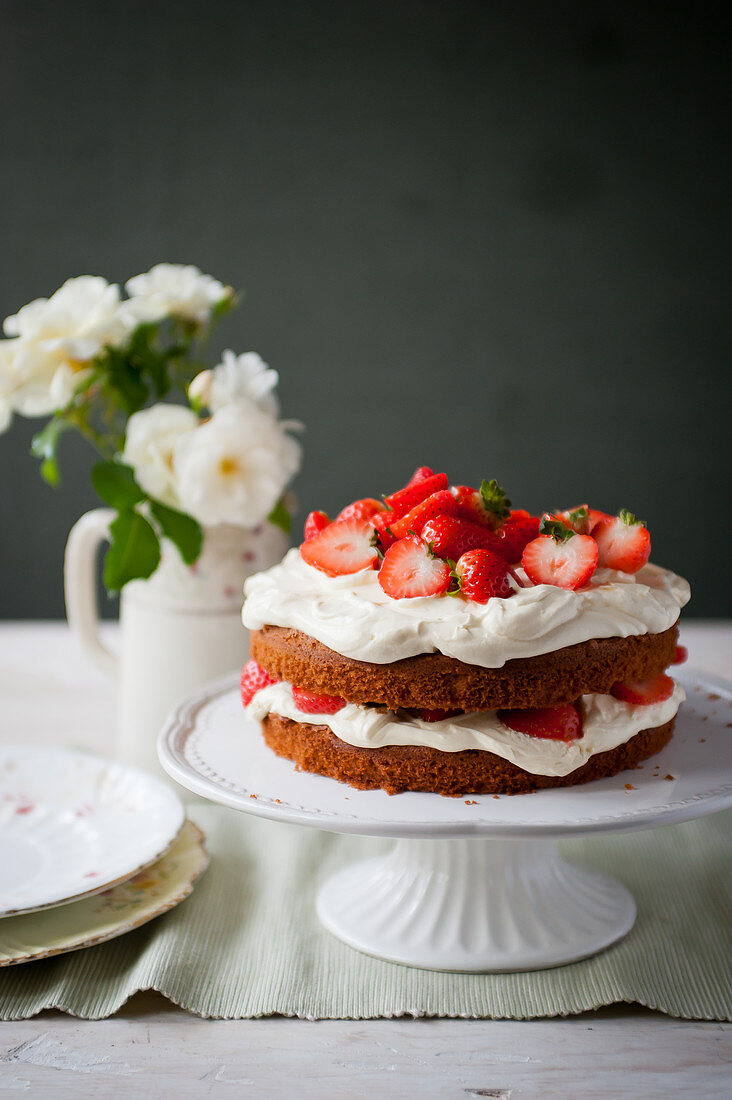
(488,505)
(414,493)
(515,534)
(623,542)
(560,557)
(451,537)
(253,679)
(441,503)
(483,575)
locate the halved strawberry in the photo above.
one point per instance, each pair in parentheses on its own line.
(437,715)
(681,654)
(341,548)
(420,474)
(451,537)
(488,505)
(314,524)
(515,534)
(413,494)
(623,542)
(253,679)
(483,575)
(411,569)
(562,723)
(437,504)
(360,509)
(312,703)
(560,557)
(641,693)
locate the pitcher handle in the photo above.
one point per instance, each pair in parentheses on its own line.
(80,586)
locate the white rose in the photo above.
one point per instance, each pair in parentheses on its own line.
(244,376)
(55,340)
(180,290)
(152,435)
(235,466)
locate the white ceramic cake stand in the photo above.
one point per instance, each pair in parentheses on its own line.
(474,883)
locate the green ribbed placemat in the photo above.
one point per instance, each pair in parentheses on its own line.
(247,942)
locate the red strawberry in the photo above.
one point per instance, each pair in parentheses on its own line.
(360,509)
(312,703)
(413,494)
(451,537)
(314,524)
(381,524)
(410,569)
(341,548)
(623,542)
(483,575)
(420,474)
(681,654)
(562,723)
(488,505)
(437,715)
(515,534)
(560,557)
(253,679)
(578,518)
(594,517)
(642,693)
(438,504)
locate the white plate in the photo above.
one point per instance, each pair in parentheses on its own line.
(210,747)
(72,824)
(111,913)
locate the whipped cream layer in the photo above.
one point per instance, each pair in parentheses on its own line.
(353,615)
(606,722)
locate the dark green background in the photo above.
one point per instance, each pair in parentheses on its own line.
(488,237)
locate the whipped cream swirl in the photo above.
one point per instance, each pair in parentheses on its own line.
(353,615)
(606,723)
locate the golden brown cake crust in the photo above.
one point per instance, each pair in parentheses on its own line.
(416,768)
(435,681)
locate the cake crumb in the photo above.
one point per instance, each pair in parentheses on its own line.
(702,740)
(470,802)
(629,787)
(669,777)
(712,697)
(496,796)
(277,801)
(252,796)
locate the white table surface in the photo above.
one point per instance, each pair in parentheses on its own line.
(50,695)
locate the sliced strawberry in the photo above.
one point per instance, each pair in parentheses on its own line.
(681,654)
(515,534)
(438,504)
(451,537)
(413,494)
(360,509)
(437,715)
(577,518)
(562,723)
(560,557)
(341,548)
(594,517)
(488,505)
(314,524)
(312,703)
(641,693)
(420,474)
(381,524)
(483,575)
(623,542)
(253,679)
(411,569)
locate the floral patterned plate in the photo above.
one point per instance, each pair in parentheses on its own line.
(110,914)
(72,824)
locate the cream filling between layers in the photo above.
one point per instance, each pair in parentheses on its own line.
(606,721)
(353,616)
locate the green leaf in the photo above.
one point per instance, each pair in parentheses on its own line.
(181,529)
(495,499)
(280,517)
(554,527)
(116,485)
(45,446)
(134,552)
(124,381)
(629,519)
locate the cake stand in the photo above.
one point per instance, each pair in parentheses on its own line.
(473,883)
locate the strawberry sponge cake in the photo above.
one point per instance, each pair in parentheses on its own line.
(439,641)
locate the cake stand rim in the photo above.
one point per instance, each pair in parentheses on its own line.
(182,771)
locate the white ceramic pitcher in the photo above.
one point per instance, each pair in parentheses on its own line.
(179,629)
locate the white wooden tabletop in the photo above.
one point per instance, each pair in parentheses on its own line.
(50,695)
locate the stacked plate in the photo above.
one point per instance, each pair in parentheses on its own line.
(89,849)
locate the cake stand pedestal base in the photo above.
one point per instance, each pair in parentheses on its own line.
(475,904)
